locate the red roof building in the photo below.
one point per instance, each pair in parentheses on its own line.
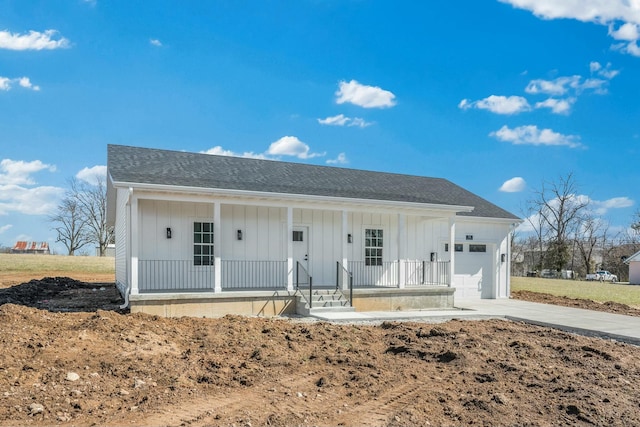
(23,247)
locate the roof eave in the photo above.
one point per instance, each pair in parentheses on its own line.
(297,197)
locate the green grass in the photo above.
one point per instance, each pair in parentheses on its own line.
(596,291)
(14,263)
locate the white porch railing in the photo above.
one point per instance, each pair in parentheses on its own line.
(385,275)
(164,275)
(426,273)
(254,274)
(183,276)
(161,275)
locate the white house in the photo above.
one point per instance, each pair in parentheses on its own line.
(206,235)
(634,268)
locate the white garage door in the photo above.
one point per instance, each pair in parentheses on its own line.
(474,271)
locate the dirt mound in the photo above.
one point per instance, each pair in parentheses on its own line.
(63,294)
(114,369)
(66,360)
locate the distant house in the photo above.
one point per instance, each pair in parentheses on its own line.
(634,268)
(206,235)
(109,251)
(22,247)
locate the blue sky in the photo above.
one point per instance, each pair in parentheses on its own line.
(496,96)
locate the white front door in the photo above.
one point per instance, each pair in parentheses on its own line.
(301,249)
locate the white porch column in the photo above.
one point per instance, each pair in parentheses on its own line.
(134,235)
(217,261)
(452,250)
(402,253)
(289,240)
(345,249)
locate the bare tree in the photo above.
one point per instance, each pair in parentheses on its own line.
(558,208)
(92,201)
(70,224)
(593,230)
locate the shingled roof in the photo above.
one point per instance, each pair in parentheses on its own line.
(163,167)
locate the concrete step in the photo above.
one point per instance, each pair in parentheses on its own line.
(332,303)
(322,301)
(343,309)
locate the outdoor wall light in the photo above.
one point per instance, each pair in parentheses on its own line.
(349,238)
(168,232)
(239,234)
(503,257)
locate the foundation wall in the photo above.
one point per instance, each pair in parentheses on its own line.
(269,304)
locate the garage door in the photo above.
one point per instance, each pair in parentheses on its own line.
(474,271)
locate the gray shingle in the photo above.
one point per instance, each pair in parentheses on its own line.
(164,167)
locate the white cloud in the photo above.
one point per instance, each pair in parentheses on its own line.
(622,13)
(18,172)
(364,96)
(342,120)
(339,120)
(5,228)
(219,151)
(513,185)
(340,160)
(558,86)
(25,82)
(29,201)
(292,146)
(7,83)
(531,135)
(359,122)
(498,104)
(557,106)
(627,31)
(605,72)
(155,42)
(93,175)
(16,193)
(34,40)
(602,207)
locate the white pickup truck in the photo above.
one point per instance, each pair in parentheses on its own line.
(602,276)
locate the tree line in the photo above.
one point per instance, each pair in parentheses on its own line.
(567,234)
(81,217)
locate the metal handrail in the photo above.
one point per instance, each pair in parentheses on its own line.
(298,268)
(341,269)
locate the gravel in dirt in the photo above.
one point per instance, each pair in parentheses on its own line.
(111,369)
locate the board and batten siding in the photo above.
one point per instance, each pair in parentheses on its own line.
(158,215)
(263,235)
(121,239)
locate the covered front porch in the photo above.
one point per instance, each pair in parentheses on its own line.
(256,257)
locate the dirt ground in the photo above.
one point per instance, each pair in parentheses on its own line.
(66,364)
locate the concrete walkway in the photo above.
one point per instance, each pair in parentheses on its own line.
(576,320)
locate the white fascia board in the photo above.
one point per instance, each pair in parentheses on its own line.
(506,221)
(297,198)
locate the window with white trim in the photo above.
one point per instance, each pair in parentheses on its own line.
(203,243)
(373,243)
